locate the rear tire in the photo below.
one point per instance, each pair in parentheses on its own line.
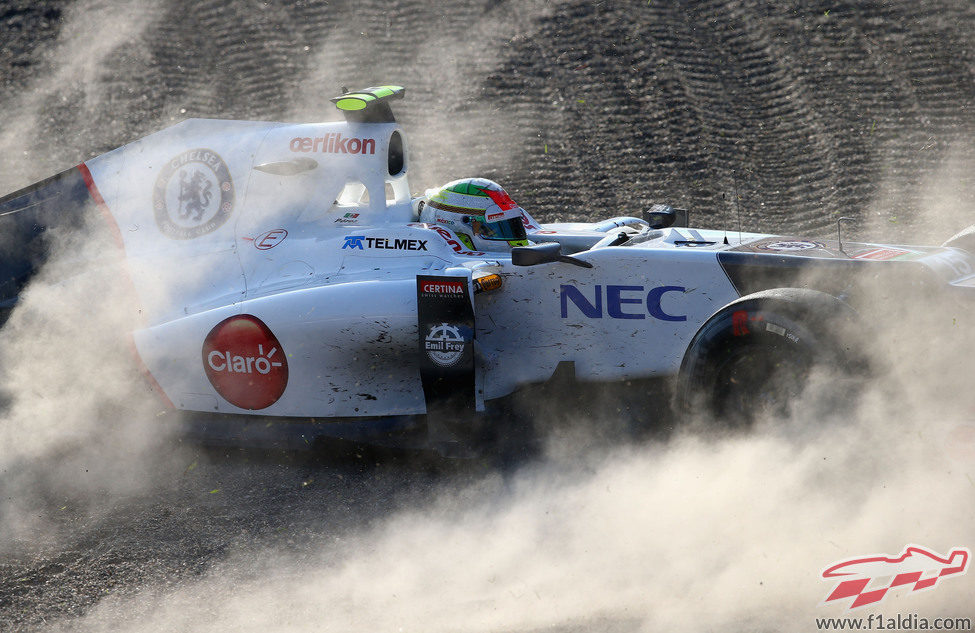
(753,358)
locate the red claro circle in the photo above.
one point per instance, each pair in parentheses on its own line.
(245,363)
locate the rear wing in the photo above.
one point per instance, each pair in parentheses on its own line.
(189,197)
(61,202)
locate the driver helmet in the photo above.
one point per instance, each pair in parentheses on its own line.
(479,212)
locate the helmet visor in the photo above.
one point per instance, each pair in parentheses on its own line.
(510,229)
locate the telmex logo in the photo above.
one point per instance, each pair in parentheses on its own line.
(355,241)
(918,568)
(620,301)
(442,287)
(244,362)
(333,143)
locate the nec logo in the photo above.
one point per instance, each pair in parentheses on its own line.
(621,302)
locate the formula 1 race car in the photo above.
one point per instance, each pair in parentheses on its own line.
(285,272)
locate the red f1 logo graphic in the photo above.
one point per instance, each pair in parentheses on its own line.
(917,567)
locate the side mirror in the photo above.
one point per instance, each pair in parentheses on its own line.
(535,255)
(546,253)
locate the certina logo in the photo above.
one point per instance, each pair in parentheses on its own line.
(621,302)
(193,195)
(444,345)
(245,363)
(384,243)
(333,143)
(442,287)
(867,579)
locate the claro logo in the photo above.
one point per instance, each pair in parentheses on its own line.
(245,363)
(622,302)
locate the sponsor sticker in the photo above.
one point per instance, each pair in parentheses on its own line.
(791,245)
(881,253)
(445,345)
(448,237)
(348,218)
(457,247)
(361,242)
(528,225)
(434,288)
(333,143)
(621,302)
(445,328)
(193,195)
(506,207)
(866,580)
(269,240)
(244,362)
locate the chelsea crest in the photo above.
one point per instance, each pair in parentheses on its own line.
(194,195)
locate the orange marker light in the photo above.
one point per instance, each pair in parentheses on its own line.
(487,283)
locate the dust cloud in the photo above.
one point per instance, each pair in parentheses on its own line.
(78,428)
(76,91)
(452,134)
(690,535)
(696,532)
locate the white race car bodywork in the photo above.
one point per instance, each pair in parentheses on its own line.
(335,280)
(280,270)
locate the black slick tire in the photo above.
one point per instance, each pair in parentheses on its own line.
(753,357)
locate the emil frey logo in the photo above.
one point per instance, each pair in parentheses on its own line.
(245,363)
(193,195)
(444,345)
(867,579)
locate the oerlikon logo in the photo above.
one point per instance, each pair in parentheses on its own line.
(245,363)
(867,579)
